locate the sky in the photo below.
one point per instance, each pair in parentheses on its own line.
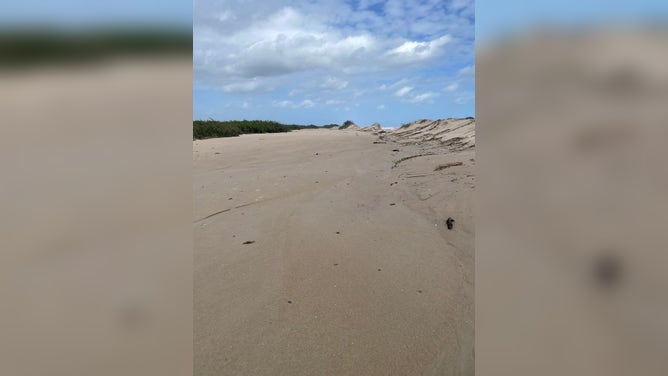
(496,18)
(94,13)
(328,61)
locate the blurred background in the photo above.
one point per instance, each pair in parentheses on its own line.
(96,265)
(572,199)
(95,151)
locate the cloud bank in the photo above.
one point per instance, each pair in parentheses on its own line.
(308,54)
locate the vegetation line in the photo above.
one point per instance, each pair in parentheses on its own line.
(203,129)
(21,48)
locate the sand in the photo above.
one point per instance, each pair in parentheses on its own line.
(573,125)
(96,262)
(348,266)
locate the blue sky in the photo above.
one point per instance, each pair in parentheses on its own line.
(86,13)
(327,61)
(496,18)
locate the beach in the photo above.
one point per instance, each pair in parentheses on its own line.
(326,252)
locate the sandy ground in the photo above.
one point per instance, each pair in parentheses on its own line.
(96,262)
(352,270)
(572,202)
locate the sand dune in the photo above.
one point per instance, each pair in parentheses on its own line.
(457,133)
(374,128)
(349,127)
(320,252)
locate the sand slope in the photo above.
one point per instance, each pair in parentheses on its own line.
(351,127)
(457,134)
(374,128)
(352,270)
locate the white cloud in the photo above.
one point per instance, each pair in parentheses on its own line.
(467,71)
(269,40)
(412,51)
(403,91)
(425,97)
(401,82)
(225,16)
(246,86)
(283,104)
(333,83)
(311,53)
(279,43)
(452,87)
(306,103)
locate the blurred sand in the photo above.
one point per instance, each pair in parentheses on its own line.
(352,270)
(96,263)
(572,204)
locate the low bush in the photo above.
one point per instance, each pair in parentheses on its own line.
(212,128)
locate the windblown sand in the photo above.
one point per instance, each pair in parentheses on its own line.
(348,266)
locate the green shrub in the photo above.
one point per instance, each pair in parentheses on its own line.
(21,48)
(213,128)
